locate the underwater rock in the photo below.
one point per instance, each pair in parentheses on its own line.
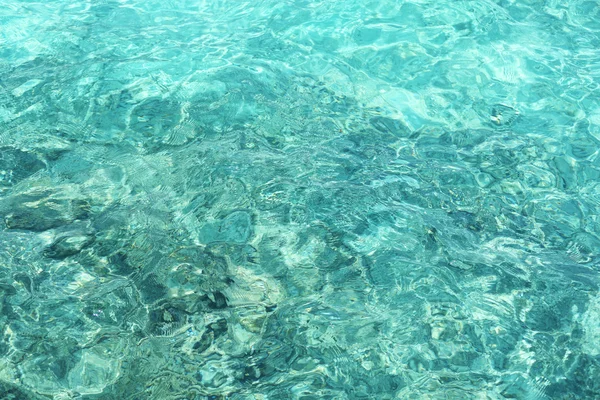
(120,264)
(235,228)
(12,391)
(40,210)
(16,165)
(151,289)
(165,320)
(213,331)
(48,214)
(217,300)
(204,342)
(47,144)
(390,125)
(70,242)
(502,115)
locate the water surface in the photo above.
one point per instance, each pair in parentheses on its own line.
(299,199)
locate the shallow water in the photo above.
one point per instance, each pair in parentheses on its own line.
(299,199)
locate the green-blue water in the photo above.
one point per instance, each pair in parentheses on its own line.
(299,199)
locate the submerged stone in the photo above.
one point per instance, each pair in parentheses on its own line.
(16,165)
(40,210)
(69,243)
(47,214)
(235,228)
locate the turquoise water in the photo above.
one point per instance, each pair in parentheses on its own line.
(299,199)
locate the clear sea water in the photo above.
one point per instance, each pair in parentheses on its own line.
(299,199)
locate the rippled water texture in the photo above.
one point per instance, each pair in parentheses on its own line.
(299,199)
